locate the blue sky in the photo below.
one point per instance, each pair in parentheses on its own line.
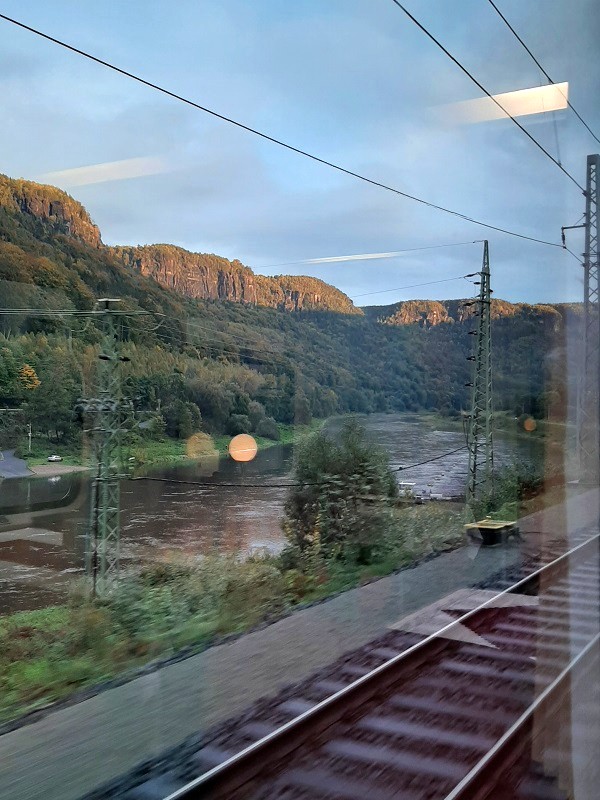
(351,80)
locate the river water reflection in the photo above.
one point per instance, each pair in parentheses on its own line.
(43,520)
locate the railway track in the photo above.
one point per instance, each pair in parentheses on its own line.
(413,716)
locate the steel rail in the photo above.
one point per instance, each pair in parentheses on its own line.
(249,762)
(471,780)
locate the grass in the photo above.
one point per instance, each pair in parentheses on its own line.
(41,449)
(48,654)
(168,452)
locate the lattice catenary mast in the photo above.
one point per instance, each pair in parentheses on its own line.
(106,411)
(480,435)
(589,394)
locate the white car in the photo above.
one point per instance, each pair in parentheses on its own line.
(54,458)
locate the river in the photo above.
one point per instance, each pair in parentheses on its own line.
(43,520)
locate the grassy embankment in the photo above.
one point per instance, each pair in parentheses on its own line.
(51,653)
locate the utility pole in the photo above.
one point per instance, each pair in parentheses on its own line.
(589,394)
(102,552)
(480,434)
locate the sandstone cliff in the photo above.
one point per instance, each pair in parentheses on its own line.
(49,214)
(428,313)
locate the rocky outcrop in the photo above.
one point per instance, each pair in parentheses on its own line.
(52,206)
(428,313)
(206,276)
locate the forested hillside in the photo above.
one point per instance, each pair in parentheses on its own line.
(258,351)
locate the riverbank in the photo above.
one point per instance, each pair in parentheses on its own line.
(147,453)
(13,467)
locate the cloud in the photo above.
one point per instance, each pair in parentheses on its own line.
(109,171)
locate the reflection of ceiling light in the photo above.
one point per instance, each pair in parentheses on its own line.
(243,447)
(109,171)
(538,100)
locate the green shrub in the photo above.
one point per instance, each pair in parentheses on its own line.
(268,428)
(342,504)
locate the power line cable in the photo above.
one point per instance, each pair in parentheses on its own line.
(172,338)
(216,346)
(429,460)
(541,68)
(65,312)
(208,484)
(194,325)
(272,139)
(486,92)
(411,286)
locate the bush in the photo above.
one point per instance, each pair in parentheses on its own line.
(238,423)
(510,486)
(268,428)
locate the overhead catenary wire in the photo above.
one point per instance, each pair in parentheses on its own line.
(273,139)
(487,93)
(575,256)
(541,68)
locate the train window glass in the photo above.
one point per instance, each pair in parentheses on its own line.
(303,501)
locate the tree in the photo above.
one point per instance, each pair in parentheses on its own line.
(340,505)
(9,388)
(28,378)
(182,419)
(302,415)
(51,406)
(256,413)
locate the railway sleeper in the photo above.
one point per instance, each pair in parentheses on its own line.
(322,784)
(439,709)
(520,677)
(555,621)
(566,633)
(461,691)
(384,757)
(436,735)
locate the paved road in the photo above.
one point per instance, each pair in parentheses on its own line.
(11,466)
(73,750)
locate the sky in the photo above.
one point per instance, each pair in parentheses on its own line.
(352,81)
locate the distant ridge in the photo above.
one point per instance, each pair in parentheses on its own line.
(49,212)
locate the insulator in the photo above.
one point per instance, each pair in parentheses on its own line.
(104,357)
(468,384)
(470,358)
(472,333)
